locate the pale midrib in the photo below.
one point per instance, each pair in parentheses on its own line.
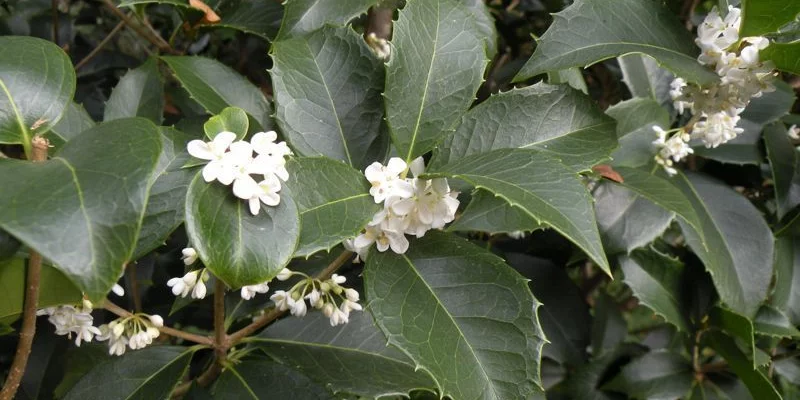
(20,120)
(358,196)
(426,86)
(243,382)
(79,191)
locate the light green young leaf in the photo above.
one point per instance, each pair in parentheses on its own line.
(216,86)
(37,83)
(89,198)
(786,294)
(635,120)
(230,119)
(139,93)
(627,220)
(645,79)
(556,120)
(489,213)
(488,347)
(305,16)
(735,261)
(757,383)
(436,68)
(263,379)
(594,30)
(655,280)
(766,16)
(328,95)
(150,373)
(54,289)
(655,375)
(772,322)
(353,358)
(784,161)
(238,247)
(539,185)
(333,200)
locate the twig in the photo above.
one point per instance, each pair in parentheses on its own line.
(54,6)
(156,40)
(108,305)
(39,148)
(100,45)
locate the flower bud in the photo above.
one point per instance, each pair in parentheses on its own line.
(118,330)
(156,320)
(285,274)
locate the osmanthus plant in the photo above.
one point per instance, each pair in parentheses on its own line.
(394,199)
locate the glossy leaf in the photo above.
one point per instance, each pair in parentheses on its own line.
(54,289)
(627,220)
(305,16)
(556,120)
(736,325)
(353,358)
(36,85)
(608,326)
(540,186)
(470,345)
(333,200)
(90,198)
(436,67)
(645,79)
(784,161)
(591,31)
(786,56)
(216,86)
(635,120)
(73,122)
(766,16)
(757,383)
(139,93)
(735,261)
(328,95)
(786,294)
(230,119)
(485,23)
(489,213)
(263,379)
(585,381)
(772,322)
(656,280)
(238,247)
(150,373)
(655,375)
(261,18)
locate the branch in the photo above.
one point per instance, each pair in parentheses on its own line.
(28,329)
(108,305)
(153,38)
(100,45)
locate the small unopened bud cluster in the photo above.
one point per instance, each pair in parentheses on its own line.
(411,206)
(671,150)
(321,295)
(135,332)
(232,162)
(379,46)
(73,319)
(717,107)
(193,282)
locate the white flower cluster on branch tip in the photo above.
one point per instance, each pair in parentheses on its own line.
(717,108)
(193,282)
(321,295)
(255,179)
(69,320)
(136,331)
(411,206)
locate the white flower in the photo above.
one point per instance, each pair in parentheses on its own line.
(386,180)
(338,279)
(156,320)
(283,301)
(69,320)
(285,274)
(379,46)
(338,317)
(199,291)
(717,128)
(248,292)
(214,151)
(189,256)
(794,132)
(265,192)
(118,290)
(351,294)
(516,234)
(315,299)
(348,306)
(298,308)
(192,282)
(271,156)
(117,346)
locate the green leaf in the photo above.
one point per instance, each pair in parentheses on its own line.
(165,206)
(786,56)
(556,120)
(353,358)
(328,95)
(305,16)
(36,85)
(139,93)
(216,86)
(436,68)
(78,361)
(486,345)
(656,280)
(786,294)
(784,161)
(263,379)
(635,121)
(594,30)
(230,119)
(655,375)
(54,289)
(150,373)
(9,245)
(627,220)
(89,199)
(539,185)
(645,79)
(260,18)
(608,326)
(772,322)
(485,24)
(571,76)
(737,325)
(489,213)
(766,16)
(238,247)
(789,368)
(333,200)
(757,383)
(584,383)
(73,122)
(735,261)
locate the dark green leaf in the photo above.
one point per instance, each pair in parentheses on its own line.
(655,280)
(37,82)
(54,289)
(772,322)
(73,122)
(757,383)
(635,121)
(261,18)
(592,31)
(556,120)
(462,314)
(333,200)
(263,380)
(328,95)
(140,93)
(540,186)
(789,368)
(645,79)
(150,373)
(627,220)
(786,294)
(305,16)
(216,86)
(230,119)
(485,22)
(436,68)
(78,361)
(608,326)
(585,382)
(655,375)
(766,16)
(489,213)
(784,161)
(90,199)
(9,245)
(736,325)
(238,247)
(571,76)
(165,206)
(786,56)
(735,261)
(353,358)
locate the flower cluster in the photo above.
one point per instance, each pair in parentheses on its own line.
(411,206)
(69,319)
(193,282)
(321,295)
(717,108)
(255,179)
(136,332)
(671,150)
